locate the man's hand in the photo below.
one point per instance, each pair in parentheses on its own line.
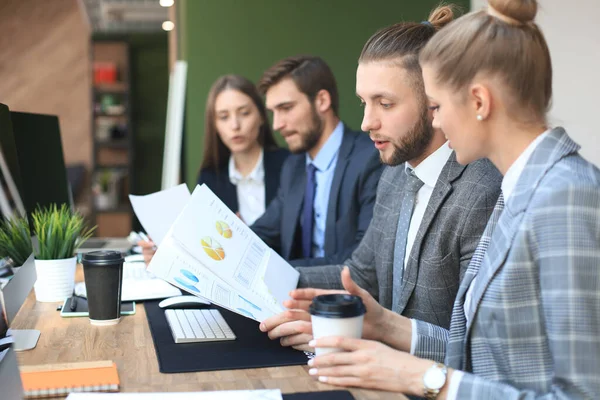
(293,327)
(148,250)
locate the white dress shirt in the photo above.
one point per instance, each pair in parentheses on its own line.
(250,190)
(427,171)
(508,186)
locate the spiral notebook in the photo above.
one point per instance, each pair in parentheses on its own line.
(61,379)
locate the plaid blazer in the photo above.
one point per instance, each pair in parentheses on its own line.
(457,212)
(534,331)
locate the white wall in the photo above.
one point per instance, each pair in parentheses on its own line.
(573,35)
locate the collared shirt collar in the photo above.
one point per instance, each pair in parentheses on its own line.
(430,168)
(329,150)
(514,171)
(257,174)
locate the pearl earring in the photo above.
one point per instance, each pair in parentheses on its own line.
(479,117)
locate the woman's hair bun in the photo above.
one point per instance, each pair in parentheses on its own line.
(521,11)
(441,16)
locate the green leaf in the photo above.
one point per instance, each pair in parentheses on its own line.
(60,232)
(15,239)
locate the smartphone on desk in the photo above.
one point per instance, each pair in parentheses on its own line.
(76,306)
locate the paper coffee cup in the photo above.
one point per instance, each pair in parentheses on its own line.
(103,271)
(336,315)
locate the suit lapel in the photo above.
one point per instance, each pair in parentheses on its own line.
(399,180)
(229,189)
(443,187)
(340,168)
(270,178)
(496,254)
(455,354)
(550,150)
(293,207)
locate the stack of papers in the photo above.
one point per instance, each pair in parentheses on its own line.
(209,252)
(274,394)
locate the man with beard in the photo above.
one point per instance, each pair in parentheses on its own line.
(325,200)
(430,211)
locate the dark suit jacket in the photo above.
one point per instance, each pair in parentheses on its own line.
(218,180)
(350,206)
(462,201)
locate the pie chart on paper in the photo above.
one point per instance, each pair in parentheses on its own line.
(224,229)
(212,248)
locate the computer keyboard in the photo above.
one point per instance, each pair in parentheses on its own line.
(189,326)
(136,271)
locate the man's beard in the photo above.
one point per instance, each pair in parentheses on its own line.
(413,144)
(311,137)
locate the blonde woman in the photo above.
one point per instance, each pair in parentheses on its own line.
(526,320)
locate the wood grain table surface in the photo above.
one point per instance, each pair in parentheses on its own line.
(129,345)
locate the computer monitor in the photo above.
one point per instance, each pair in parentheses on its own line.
(15,291)
(11,204)
(38,158)
(34,156)
(13,296)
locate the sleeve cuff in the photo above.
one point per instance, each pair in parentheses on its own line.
(454,385)
(414,336)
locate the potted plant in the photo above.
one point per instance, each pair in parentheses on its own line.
(105,190)
(59,233)
(15,239)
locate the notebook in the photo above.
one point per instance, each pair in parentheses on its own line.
(60,379)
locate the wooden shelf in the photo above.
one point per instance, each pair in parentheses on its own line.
(114,144)
(123,208)
(117,87)
(111,166)
(112,154)
(101,114)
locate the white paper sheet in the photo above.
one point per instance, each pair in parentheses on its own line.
(158,211)
(272,394)
(210,252)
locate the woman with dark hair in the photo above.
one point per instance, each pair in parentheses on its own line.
(241,161)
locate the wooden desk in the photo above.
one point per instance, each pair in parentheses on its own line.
(129,345)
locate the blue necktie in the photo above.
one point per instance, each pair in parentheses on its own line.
(411,187)
(307,211)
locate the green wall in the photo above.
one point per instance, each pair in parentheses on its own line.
(150,87)
(246,37)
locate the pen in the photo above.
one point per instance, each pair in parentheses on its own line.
(144,236)
(73,305)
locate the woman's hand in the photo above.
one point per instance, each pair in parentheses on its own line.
(368,364)
(293,327)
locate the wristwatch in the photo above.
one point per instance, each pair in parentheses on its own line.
(434,380)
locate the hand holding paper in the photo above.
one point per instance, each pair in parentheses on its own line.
(211,253)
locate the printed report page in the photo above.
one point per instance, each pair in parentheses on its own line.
(210,249)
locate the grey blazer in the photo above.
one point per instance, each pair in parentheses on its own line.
(534,323)
(462,201)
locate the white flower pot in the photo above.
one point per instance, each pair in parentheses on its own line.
(55,279)
(106,201)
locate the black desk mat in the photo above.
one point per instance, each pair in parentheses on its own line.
(331,395)
(251,349)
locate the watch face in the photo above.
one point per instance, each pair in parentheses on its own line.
(434,378)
